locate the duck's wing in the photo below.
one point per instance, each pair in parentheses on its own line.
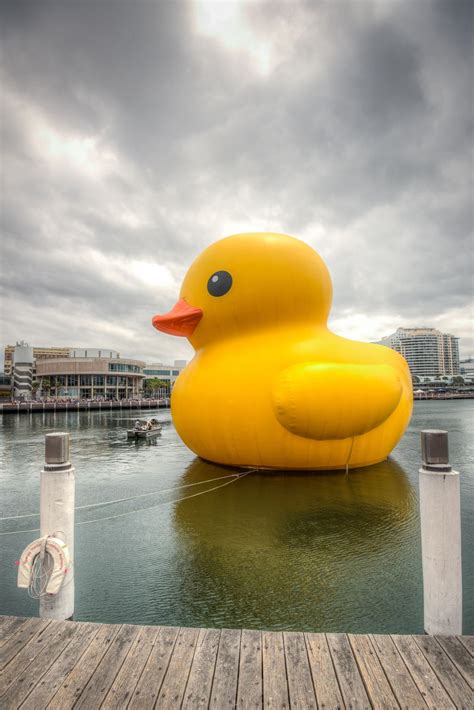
(334,401)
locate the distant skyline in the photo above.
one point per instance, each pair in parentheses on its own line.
(134,134)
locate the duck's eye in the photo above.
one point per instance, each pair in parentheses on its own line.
(219,283)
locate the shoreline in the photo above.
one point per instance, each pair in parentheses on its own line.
(30,407)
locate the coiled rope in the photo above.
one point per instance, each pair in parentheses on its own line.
(40,573)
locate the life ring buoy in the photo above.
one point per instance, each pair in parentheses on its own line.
(59,552)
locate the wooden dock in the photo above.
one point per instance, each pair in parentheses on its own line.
(60,664)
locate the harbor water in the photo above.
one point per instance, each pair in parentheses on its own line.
(190,543)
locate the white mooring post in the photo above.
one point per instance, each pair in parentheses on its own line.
(440,519)
(57,518)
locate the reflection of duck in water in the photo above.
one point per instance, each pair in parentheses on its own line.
(270,547)
(270,386)
(376,496)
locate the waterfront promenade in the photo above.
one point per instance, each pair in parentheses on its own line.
(62,664)
(81,405)
(106,405)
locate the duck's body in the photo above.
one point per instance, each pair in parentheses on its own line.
(270,386)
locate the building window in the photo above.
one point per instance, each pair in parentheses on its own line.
(121,367)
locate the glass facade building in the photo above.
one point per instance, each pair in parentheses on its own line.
(91,377)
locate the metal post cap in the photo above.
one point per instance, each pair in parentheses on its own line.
(57,448)
(434,447)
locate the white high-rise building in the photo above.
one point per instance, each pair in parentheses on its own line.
(427,351)
(23,361)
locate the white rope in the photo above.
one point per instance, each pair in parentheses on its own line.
(165,502)
(235,477)
(40,573)
(350,454)
(17,532)
(121,500)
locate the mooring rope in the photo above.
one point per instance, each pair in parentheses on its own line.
(235,477)
(121,500)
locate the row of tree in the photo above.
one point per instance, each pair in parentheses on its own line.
(154,387)
(442,379)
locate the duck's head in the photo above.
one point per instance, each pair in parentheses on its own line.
(247,282)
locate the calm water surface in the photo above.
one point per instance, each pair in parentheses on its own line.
(274,551)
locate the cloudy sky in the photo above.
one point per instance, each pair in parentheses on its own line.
(136,133)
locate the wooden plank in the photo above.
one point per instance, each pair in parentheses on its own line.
(275,685)
(6,618)
(454,684)
(224,686)
(9,625)
(375,681)
(148,687)
(58,672)
(250,684)
(460,656)
(27,654)
(73,685)
(24,683)
(325,682)
(126,681)
(351,684)
(404,688)
(106,672)
(174,683)
(22,636)
(300,682)
(468,642)
(428,684)
(198,689)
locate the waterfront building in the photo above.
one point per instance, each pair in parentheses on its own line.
(5,385)
(38,354)
(166,373)
(90,374)
(467,367)
(427,350)
(23,362)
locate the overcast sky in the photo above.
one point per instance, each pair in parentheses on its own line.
(137,133)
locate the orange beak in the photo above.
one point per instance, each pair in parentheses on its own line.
(181,320)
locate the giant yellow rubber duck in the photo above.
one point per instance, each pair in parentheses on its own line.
(270,386)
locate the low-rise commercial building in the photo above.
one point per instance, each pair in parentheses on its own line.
(165,373)
(91,374)
(467,367)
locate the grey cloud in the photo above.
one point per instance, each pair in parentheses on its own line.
(358,139)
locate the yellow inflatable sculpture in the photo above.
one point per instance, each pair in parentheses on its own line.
(270,386)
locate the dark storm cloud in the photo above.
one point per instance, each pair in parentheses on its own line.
(130,136)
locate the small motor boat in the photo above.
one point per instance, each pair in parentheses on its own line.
(144,429)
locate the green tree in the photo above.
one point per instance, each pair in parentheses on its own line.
(152,385)
(164,385)
(46,384)
(415,379)
(458,380)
